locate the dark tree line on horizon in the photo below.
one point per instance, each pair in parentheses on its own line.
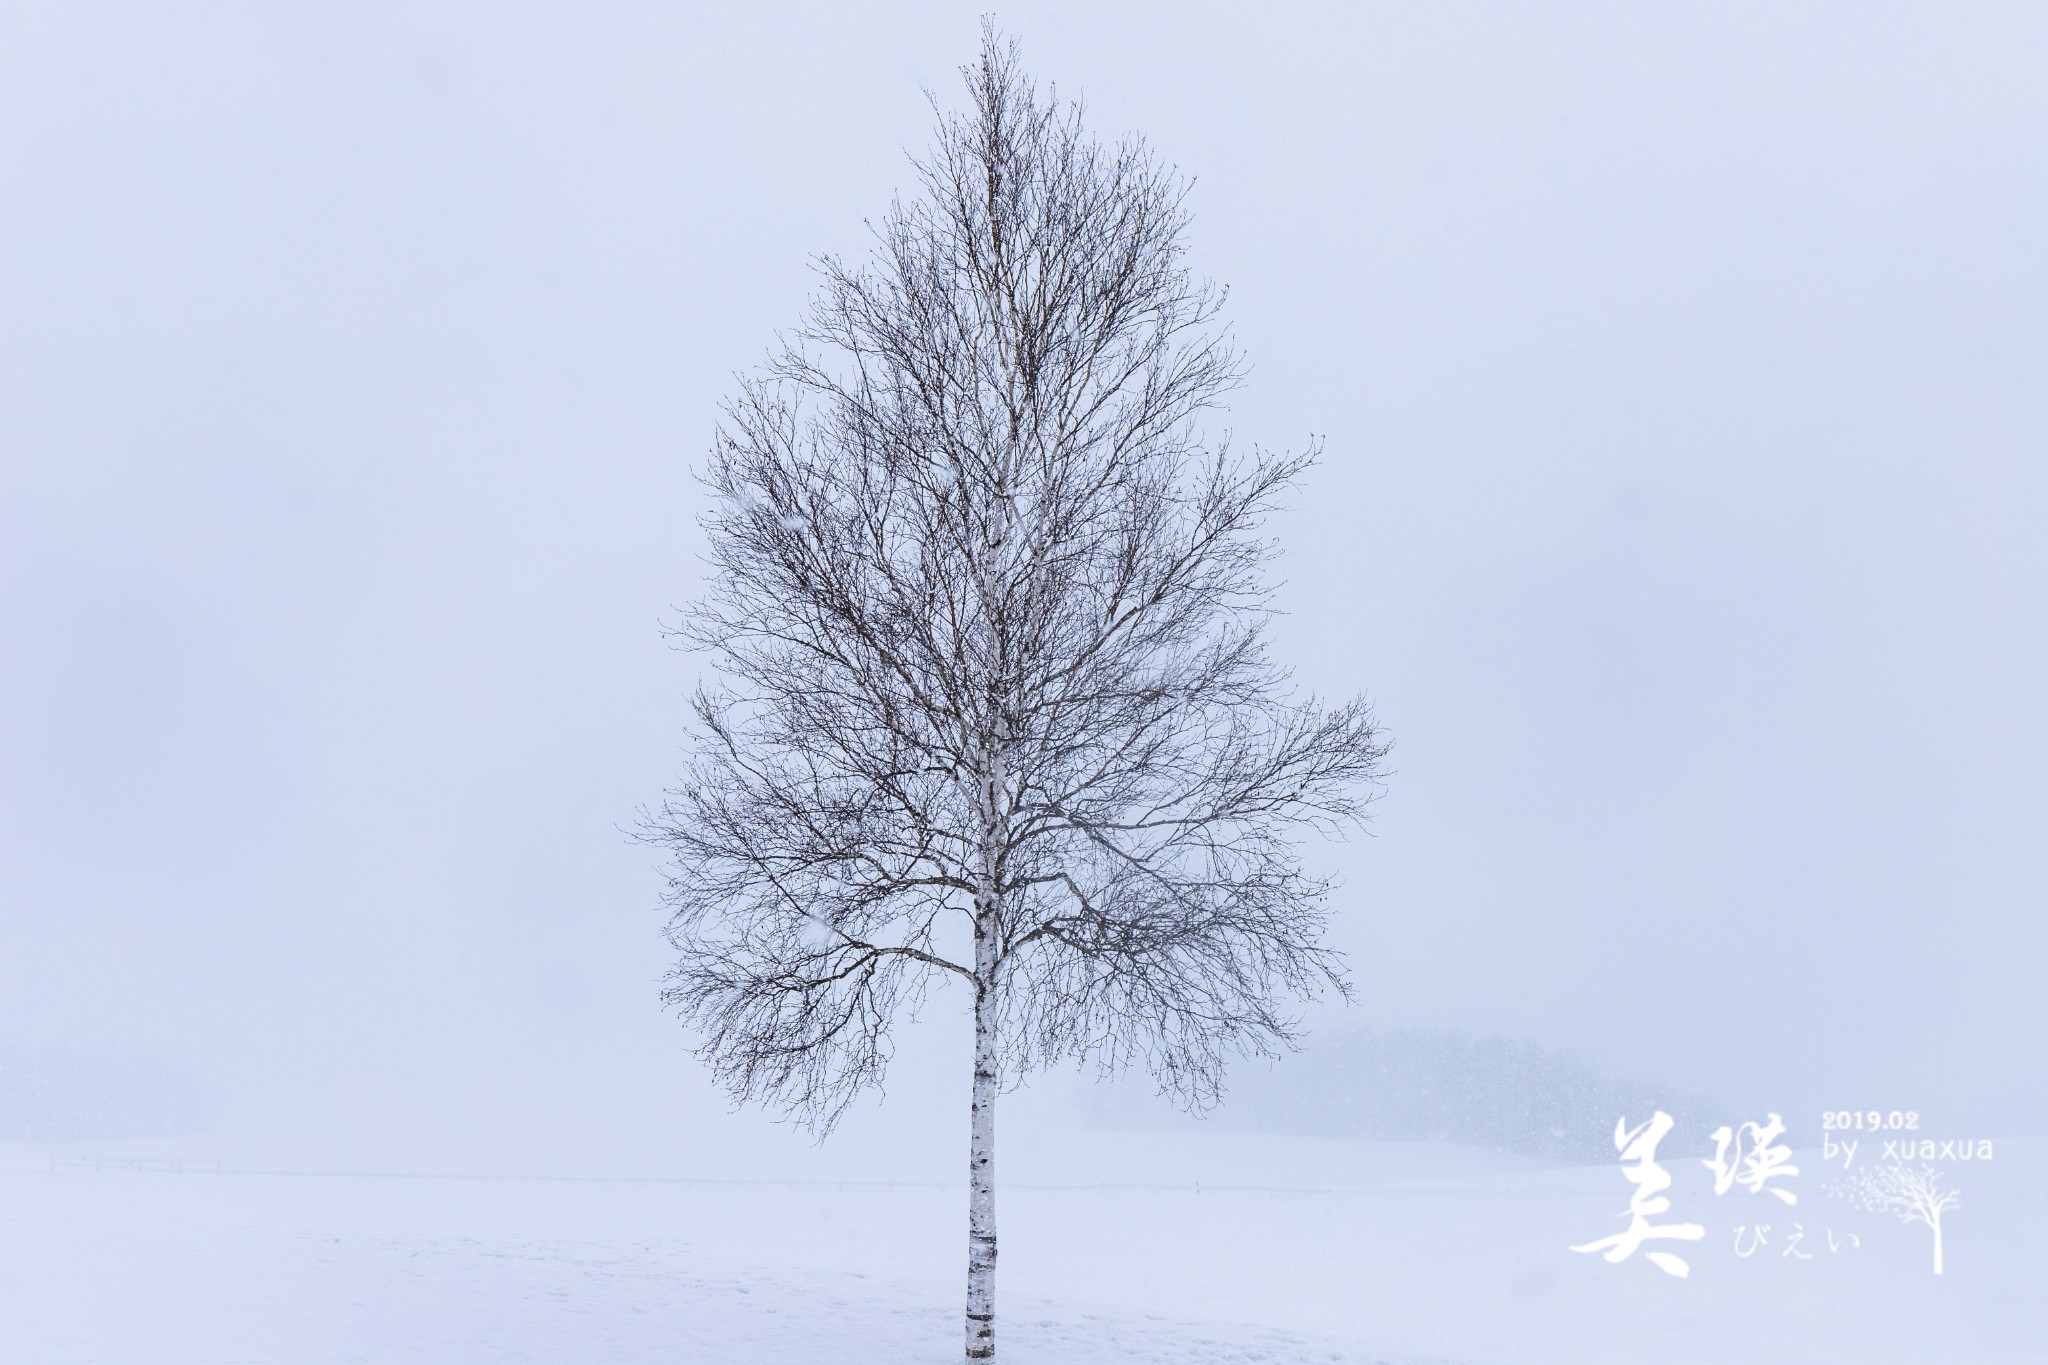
(1429,1084)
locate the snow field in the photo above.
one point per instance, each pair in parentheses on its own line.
(131,1268)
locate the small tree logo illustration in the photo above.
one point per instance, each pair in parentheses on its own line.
(1914,1195)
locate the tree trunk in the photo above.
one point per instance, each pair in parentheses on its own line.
(981,1185)
(1937,1244)
(981,1142)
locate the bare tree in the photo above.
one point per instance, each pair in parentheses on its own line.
(1914,1195)
(995,702)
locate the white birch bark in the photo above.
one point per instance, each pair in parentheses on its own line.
(981,1178)
(981,1147)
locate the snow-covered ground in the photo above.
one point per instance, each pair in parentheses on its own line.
(1116,1248)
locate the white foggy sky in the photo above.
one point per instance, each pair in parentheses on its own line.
(1681,374)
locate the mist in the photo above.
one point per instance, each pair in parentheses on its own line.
(1680,379)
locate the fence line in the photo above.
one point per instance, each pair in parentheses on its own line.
(174,1164)
(186,1165)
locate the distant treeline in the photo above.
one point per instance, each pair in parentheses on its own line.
(60,1092)
(1417,1084)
